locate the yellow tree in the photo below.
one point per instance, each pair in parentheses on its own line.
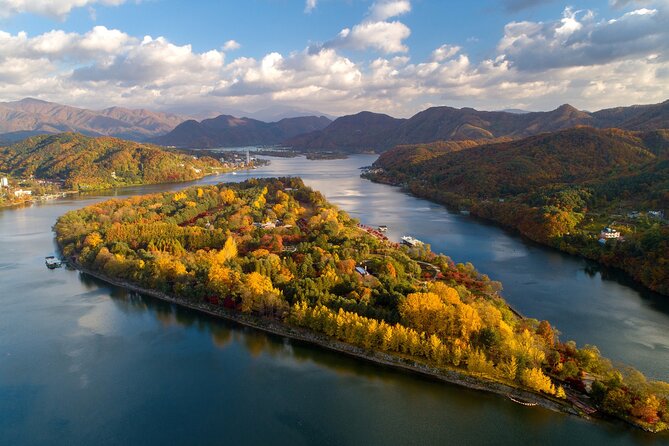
(535,379)
(229,251)
(256,287)
(227,196)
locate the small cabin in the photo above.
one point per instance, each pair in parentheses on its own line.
(362,271)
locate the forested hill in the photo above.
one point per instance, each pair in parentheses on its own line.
(362,132)
(513,167)
(228,131)
(561,189)
(370,131)
(87,163)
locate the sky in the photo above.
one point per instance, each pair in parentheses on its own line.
(335,56)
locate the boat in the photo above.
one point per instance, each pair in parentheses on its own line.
(383,228)
(52,263)
(521,402)
(408,240)
(234,173)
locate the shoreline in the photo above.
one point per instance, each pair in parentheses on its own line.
(516,231)
(277,328)
(64,194)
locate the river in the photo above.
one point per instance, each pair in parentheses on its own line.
(82,362)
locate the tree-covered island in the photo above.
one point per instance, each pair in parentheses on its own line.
(274,254)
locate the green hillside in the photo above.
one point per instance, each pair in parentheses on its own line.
(561,189)
(87,163)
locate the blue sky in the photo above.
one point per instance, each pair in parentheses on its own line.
(335,56)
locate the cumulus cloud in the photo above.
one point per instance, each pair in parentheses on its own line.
(386,37)
(51,8)
(375,31)
(386,9)
(579,39)
(578,58)
(231,45)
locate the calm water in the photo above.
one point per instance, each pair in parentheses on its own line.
(85,363)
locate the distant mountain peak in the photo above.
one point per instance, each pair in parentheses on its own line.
(36,115)
(32,101)
(230,131)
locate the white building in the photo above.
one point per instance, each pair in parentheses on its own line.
(609,234)
(4,182)
(22,193)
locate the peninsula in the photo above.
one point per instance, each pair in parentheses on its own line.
(275,255)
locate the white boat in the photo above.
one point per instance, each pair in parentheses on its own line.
(383,228)
(408,240)
(52,263)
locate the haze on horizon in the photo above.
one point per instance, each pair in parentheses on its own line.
(335,56)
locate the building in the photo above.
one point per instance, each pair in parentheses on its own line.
(362,271)
(656,214)
(609,234)
(22,193)
(4,182)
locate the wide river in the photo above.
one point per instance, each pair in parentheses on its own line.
(84,363)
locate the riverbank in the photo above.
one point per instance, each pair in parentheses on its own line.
(39,199)
(451,376)
(635,272)
(64,194)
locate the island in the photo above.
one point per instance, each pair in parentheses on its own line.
(601,194)
(275,255)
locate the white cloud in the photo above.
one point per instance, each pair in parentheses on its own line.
(577,58)
(231,45)
(578,39)
(386,9)
(309,6)
(376,32)
(386,37)
(51,8)
(445,52)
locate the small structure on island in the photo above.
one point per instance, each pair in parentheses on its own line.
(22,193)
(608,234)
(361,270)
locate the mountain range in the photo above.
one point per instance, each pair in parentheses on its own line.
(362,132)
(30,116)
(368,131)
(229,131)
